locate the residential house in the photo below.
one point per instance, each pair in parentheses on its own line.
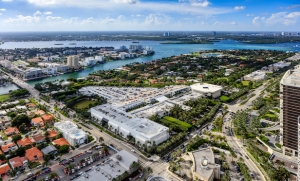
(21,107)
(38,138)
(60,142)
(11,131)
(34,155)
(18,162)
(24,142)
(31,105)
(49,150)
(4,169)
(38,122)
(48,118)
(52,134)
(9,147)
(40,112)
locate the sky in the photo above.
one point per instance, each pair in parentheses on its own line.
(158,15)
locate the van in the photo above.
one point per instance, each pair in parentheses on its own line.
(29,174)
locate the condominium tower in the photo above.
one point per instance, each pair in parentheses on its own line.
(290,111)
(73,61)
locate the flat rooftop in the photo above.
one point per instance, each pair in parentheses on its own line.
(204,162)
(291,78)
(111,168)
(206,88)
(70,128)
(125,95)
(157,178)
(145,127)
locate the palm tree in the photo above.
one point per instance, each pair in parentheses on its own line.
(149,170)
(101,139)
(179,168)
(222,156)
(240,159)
(225,165)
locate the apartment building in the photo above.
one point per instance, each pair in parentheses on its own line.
(290,111)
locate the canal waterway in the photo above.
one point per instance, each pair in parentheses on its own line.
(161,51)
(9,87)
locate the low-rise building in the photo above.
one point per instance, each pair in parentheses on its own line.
(117,165)
(256,76)
(207,89)
(126,124)
(18,162)
(34,155)
(48,119)
(52,134)
(38,138)
(49,150)
(204,166)
(32,73)
(9,147)
(38,122)
(71,133)
(4,169)
(60,142)
(11,131)
(24,142)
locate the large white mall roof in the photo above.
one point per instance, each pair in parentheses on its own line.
(206,88)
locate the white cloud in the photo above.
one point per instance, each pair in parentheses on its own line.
(49,18)
(281,18)
(250,15)
(2,9)
(157,19)
(255,20)
(0,14)
(239,7)
(47,12)
(184,6)
(233,23)
(125,1)
(199,3)
(7,0)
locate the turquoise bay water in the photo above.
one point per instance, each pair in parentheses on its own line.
(161,51)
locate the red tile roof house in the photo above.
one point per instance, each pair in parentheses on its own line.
(38,122)
(34,155)
(24,142)
(9,147)
(38,138)
(11,131)
(4,169)
(48,118)
(18,162)
(60,142)
(52,134)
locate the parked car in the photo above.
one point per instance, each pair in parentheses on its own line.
(89,151)
(14,178)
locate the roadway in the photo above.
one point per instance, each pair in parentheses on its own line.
(236,144)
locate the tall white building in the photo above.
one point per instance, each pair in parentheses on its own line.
(123,123)
(73,61)
(71,132)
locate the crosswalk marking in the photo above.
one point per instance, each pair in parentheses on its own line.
(145,164)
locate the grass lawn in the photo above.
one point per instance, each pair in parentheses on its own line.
(224,98)
(225,78)
(271,115)
(245,83)
(178,122)
(4,137)
(4,97)
(83,104)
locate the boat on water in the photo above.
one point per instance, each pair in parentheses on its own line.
(72,43)
(135,42)
(58,44)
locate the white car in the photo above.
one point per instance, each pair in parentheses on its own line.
(133,150)
(14,178)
